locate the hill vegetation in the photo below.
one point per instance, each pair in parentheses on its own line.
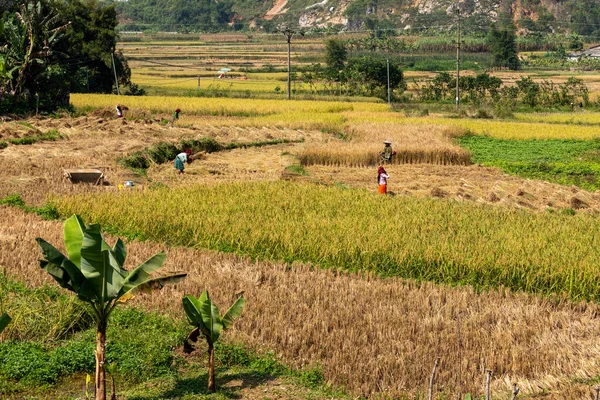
(530,16)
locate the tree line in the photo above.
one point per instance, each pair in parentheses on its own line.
(50,48)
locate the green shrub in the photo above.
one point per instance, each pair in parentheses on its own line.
(312,377)
(267,365)
(162,152)
(296,169)
(27,362)
(47,211)
(144,350)
(77,356)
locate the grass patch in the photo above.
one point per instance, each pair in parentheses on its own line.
(49,363)
(568,162)
(424,239)
(164,152)
(296,169)
(47,211)
(51,135)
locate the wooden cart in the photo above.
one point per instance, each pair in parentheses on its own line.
(93,176)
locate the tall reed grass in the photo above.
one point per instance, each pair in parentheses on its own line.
(430,240)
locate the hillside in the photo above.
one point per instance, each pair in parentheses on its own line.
(209,15)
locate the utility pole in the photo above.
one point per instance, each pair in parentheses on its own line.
(457,57)
(289,34)
(198,82)
(388,82)
(112,55)
(289,81)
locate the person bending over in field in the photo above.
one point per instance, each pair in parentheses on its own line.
(120,110)
(175,116)
(382,178)
(181,159)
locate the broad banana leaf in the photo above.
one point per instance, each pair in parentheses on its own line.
(192,306)
(73,231)
(120,252)
(234,312)
(141,274)
(97,275)
(4,321)
(96,266)
(60,267)
(158,283)
(211,318)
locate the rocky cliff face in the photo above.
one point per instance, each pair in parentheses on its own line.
(353,14)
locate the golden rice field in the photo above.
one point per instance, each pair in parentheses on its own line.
(302,114)
(236,202)
(561,118)
(538,128)
(221,106)
(377,337)
(430,240)
(414,144)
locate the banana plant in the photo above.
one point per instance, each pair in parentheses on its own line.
(94,272)
(4,321)
(204,315)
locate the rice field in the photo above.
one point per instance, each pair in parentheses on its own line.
(503,129)
(378,338)
(514,260)
(335,116)
(580,118)
(413,144)
(221,106)
(438,241)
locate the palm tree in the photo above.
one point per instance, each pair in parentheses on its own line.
(204,315)
(94,271)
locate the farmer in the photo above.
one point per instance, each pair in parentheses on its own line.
(119,111)
(387,153)
(382,178)
(175,116)
(181,159)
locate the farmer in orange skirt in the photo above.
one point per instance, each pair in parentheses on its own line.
(382,178)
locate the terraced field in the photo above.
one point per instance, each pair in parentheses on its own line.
(349,294)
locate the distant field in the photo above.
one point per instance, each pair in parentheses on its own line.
(338,114)
(247,54)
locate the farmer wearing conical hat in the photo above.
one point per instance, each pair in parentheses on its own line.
(387,153)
